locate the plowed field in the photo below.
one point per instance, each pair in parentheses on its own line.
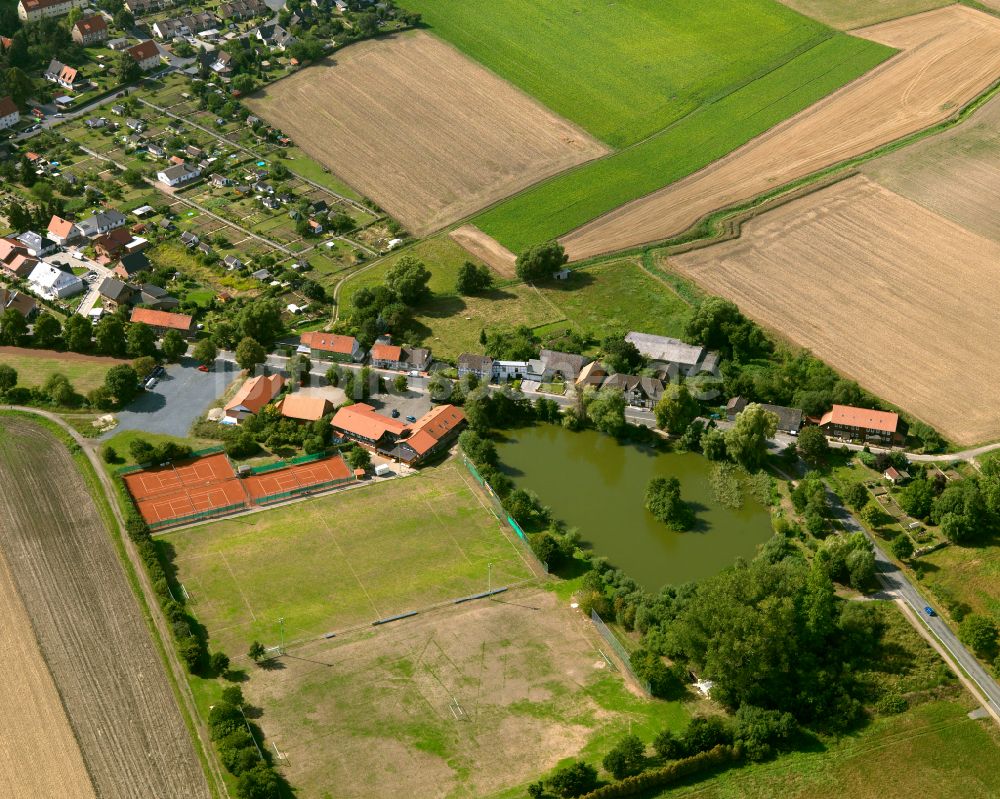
(894,295)
(950,55)
(486,249)
(88,625)
(424,131)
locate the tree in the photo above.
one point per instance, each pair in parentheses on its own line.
(299,367)
(676,408)
(77,333)
(109,336)
(13,328)
(760,731)
(256,651)
(174,346)
(249,353)
(8,377)
(141,340)
(244,84)
(574,780)
(856,495)
(408,278)
(605,409)
(400,384)
(260,320)
(626,757)
(540,262)
(813,447)
(668,746)
(713,444)
(718,324)
(124,20)
(60,391)
(917,498)
(359,458)
(122,383)
(980,633)
(901,547)
(620,355)
(141,451)
(259,782)
(746,440)
(46,332)
(127,69)
(481,451)
(473,279)
(861,568)
(511,344)
(663,500)
(205,351)
(873,515)
(219,663)
(20,87)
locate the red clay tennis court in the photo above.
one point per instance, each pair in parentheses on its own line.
(297,478)
(176,491)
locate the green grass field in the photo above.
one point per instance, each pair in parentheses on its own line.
(343,560)
(569,200)
(627,69)
(34,367)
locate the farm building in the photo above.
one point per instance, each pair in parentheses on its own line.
(593,374)
(480,366)
(691,359)
(303,408)
(390,356)
(253,395)
(362,424)
(848,422)
(561,364)
(162,321)
(431,433)
(331,347)
(640,392)
(789,419)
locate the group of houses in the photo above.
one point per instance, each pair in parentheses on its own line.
(841,422)
(347,349)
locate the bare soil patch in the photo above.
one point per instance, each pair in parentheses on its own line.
(40,756)
(427,133)
(486,248)
(949,56)
(894,295)
(848,14)
(956,174)
(466,701)
(88,624)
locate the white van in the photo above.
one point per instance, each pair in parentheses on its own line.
(151,383)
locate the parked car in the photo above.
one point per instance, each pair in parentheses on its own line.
(929,611)
(395,413)
(202,368)
(151,384)
(159,371)
(411,419)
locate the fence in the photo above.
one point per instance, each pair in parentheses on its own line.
(194,517)
(208,451)
(619,648)
(501,513)
(213,450)
(297,461)
(298,490)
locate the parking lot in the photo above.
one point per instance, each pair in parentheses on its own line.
(178,399)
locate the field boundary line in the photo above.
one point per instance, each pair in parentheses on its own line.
(239,587)
(347,560)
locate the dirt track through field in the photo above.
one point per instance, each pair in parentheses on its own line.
(88,625)
(40,756)
(486,249)
(887,292)
(950,55)
(427,133)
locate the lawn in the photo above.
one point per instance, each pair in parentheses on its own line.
(624,70)
(966,574)
(343,560)
(569,200)
(34,367)
(120,443)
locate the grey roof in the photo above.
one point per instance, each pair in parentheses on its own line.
(789,419)
(106,220)
(115,290)
(475,362)
(649,386)
(568,364)
(664,348)
(416,355)
(178,171)
(135,262)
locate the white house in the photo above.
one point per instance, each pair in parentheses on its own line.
(9,115)
(53,284)
(32,10)
(146,54)
(102,222)
(176,175)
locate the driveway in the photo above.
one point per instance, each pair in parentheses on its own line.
(181,396)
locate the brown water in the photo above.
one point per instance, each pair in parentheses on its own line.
(597,485)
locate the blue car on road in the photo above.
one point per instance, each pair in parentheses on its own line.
(929,611)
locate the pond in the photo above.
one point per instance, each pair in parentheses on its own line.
(597,485)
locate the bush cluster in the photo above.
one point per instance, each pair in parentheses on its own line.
(235,738)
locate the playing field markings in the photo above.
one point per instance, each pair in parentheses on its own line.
(238,586)
(346,560)
(450,534)
(503,526)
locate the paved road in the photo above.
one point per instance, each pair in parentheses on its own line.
(898,586)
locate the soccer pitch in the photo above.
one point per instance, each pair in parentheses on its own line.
(343,560)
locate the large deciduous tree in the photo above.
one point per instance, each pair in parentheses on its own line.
(540,262)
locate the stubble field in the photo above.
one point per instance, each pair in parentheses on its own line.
(848,14)
(427,133)
(40,755)
(950,55)
(88,625)
(885,291)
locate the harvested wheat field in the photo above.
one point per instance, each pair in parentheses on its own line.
(88,624)
(40,756)
(956,173)
(847,14)
(949,56)
(887,292)
(427,133)
(486,248)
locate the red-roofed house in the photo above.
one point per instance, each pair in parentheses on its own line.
(253,395)
(112,243)
(305,409)
(332,347)
(90,30)
(389,356)
(162,321)
(62,231)
(846,421)
(146,54)
(361,423)
(10,249)
(22,265)
(32,10)
(9,115)
(63,74)
(430,434)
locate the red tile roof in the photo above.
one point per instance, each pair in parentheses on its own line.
(434,425)
(90,25)
(7,107)
(256,392)
(386,352)
(328,342)
(363,421)
(147,49)
(147,316)
(10,248)
(60,227)
(35,5)
(299,406)
(849,416)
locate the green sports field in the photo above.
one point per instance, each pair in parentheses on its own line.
(569,200)
(343,560)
